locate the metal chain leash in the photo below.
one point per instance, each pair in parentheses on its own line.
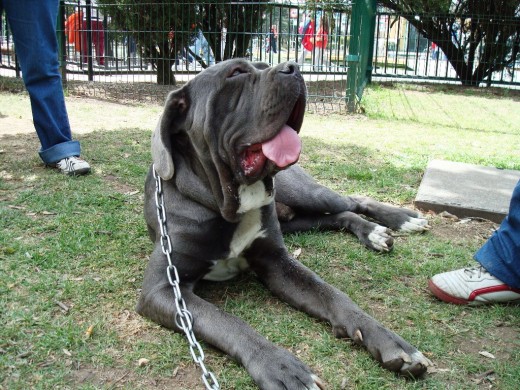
(183,317)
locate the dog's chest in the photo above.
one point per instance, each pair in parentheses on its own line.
(252,198)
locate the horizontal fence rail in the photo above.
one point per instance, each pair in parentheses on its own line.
(141,49)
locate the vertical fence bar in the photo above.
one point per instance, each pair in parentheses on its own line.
(408,26)
(90,68)
(353,55)
(62,42)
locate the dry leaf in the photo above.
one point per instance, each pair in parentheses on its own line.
(16,207)
(433,370)
(297,253)
(63,306)
(487,354)
(67,352)
(143,362)
(89,331)
(445,214)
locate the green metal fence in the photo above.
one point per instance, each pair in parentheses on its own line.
(476,49)
(124,49)
(139,50)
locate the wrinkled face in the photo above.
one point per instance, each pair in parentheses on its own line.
(247,116)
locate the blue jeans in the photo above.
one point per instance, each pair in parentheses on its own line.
(500,255)
(33,24)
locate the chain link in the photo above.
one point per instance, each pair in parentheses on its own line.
(183,317)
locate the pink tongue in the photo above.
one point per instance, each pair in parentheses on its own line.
(284,149)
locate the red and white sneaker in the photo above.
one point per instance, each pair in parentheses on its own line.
(471,286)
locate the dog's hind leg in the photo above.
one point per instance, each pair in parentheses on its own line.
(316,206)
(396,218)
(296,189)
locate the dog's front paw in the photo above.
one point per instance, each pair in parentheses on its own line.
(379,239)
(390,350)
(414,225)
(412,365)
(282,370)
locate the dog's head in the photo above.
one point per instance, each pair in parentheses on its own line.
(234,124)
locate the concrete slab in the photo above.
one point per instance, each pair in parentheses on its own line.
(466,190)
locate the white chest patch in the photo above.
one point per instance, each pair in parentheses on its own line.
(252,198)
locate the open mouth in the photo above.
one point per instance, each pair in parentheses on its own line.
(282,150)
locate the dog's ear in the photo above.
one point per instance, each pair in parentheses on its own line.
(171,121)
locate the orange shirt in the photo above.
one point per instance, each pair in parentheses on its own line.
(72,29)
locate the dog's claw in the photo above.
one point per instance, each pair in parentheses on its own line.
(380,240)
(414,366)
(318,383)
(415,225)
(406,358)
(358,337)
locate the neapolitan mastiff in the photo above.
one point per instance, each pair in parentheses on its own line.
(218,145)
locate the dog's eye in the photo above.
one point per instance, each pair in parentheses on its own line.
(236,72)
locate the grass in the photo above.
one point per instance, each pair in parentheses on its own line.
(73,252)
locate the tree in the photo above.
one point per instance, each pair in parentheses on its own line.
(478,37)
(238,20)
(158,28)
(163,28)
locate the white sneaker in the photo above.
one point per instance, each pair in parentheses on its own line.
(73,166)
(471,286)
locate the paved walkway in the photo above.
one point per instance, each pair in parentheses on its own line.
(466,190)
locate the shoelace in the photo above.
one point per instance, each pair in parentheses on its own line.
(69,163)
(471,271)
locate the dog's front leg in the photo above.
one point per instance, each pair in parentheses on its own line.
(271,367)
(303,289)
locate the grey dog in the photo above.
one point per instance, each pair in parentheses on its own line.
(220,142)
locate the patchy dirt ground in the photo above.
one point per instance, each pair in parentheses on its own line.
(85,115)
(456,230)
(184,377)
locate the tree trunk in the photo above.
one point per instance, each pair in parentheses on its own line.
(165,75)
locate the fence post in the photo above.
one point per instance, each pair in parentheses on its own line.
(360,50)
(62,45)
(371,29)
(90,68)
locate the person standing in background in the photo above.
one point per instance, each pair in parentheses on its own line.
(38,58)
(320,43)
(307,40)
(273,38)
